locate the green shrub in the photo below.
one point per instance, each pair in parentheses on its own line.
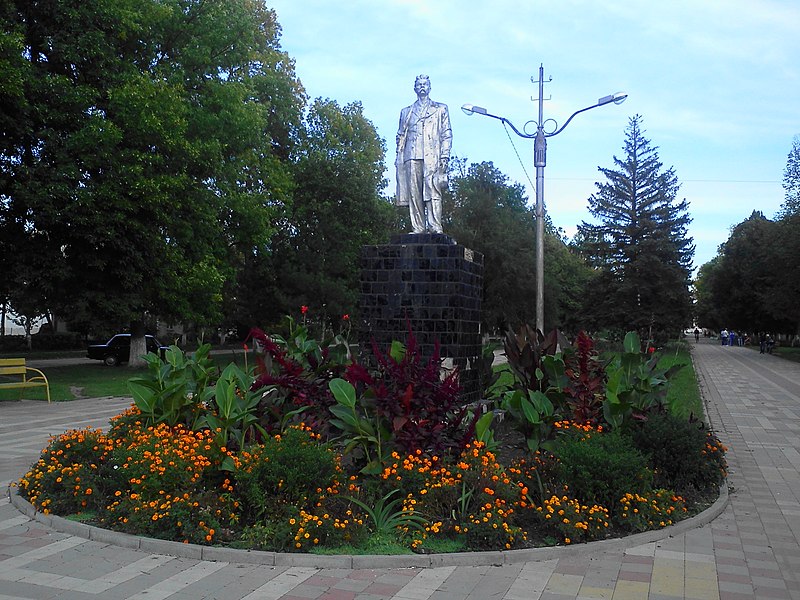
(286,472)
(684,456)
(600,468)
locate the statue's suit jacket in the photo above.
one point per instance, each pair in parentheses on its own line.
(438,139)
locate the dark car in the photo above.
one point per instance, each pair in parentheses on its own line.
(118,349)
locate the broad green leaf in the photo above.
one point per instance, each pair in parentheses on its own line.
(632,343)
(343,391)
(397,351)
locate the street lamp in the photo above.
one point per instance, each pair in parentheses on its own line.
(539,161)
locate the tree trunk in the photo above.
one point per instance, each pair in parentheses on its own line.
(3,319)
(138,345)
(28,325)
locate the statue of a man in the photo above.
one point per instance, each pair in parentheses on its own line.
(424,139)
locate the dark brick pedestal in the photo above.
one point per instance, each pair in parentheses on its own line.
(434,285)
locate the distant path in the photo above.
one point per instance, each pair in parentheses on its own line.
(44,363)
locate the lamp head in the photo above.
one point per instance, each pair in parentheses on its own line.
(471,109)
(617,98)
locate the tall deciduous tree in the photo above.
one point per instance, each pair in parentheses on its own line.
(742,278)
(487,213)
(752,283)
(640,243)
(147,150)
(337,208)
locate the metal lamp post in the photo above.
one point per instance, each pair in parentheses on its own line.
(539,161)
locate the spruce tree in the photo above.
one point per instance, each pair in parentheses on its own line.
(791,181)
(639,244)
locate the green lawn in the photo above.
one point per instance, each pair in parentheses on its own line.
(683,392)
(69,383)
(787,352)
(95,380)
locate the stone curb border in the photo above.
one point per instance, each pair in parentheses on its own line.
(282,559)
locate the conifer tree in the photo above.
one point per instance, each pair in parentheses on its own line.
(791,181)
(638,244)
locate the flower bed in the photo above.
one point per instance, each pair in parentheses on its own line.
(310,452)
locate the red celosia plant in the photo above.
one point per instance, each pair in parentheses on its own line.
(294,373)
(585,391)
(409,392)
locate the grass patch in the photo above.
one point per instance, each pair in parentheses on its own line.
(377,543)
(787,352)
(43,354)
(78,381)
(95,380)
(683,393)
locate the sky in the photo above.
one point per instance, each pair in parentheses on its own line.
(716,83)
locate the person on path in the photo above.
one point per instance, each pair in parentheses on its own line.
(762,342)
(696,335)
(723,337)
(732,337)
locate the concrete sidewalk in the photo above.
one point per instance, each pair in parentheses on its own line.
(752,550)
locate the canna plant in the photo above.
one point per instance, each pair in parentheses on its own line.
(235,409)
(360,427)
(636,384)
(537,396)
(175,390)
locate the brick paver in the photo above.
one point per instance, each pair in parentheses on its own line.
(750,551)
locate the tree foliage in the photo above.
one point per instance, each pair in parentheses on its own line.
(337,208)
(753,283)
(791,181)
(638,244)
(145,153)
(489,214)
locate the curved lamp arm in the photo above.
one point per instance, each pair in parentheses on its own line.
(617,98)
(471,109)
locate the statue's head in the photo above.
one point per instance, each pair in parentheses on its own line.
(422,84)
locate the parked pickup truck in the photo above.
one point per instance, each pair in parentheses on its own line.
(118,349)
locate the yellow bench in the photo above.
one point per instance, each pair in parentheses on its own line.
(16,367)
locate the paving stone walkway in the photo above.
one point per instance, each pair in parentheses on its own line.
(751,550)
